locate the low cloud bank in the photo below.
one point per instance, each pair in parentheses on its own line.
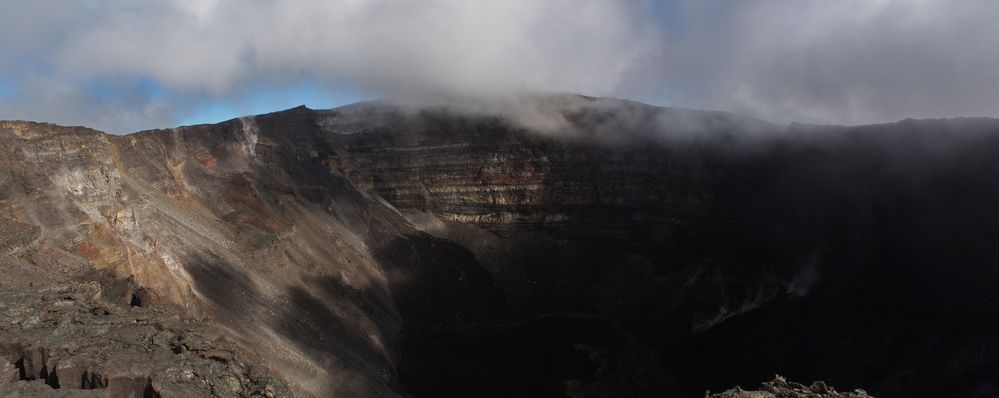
(847,62)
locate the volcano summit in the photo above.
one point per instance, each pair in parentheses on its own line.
(571,246)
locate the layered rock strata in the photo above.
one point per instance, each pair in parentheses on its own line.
(618,250)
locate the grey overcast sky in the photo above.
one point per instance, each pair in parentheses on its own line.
(123,65)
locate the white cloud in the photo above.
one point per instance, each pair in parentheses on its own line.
(216,48)
(851,61)
(846,61)
(556,45)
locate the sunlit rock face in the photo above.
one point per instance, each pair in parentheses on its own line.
(566,246)
(240,224)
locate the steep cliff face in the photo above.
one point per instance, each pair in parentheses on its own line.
(601,176)
(589,248)
(240,223)
(804,249)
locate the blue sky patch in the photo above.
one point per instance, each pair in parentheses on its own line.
(7,88)
(271,98)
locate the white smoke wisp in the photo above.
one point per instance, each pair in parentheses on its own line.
(806,277)
(608,121)
(250,135)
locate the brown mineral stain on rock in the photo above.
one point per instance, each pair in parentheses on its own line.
(208,160)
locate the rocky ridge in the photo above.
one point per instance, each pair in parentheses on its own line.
(781,388)
(219,225)
(380,250)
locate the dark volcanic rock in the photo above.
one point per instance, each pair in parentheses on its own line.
(781,388)
(243,225)
(834,253)
(66,340)
(606,249)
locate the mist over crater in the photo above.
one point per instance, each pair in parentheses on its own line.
(526,198)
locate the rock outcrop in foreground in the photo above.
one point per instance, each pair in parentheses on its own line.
(781,388)
(70,340)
